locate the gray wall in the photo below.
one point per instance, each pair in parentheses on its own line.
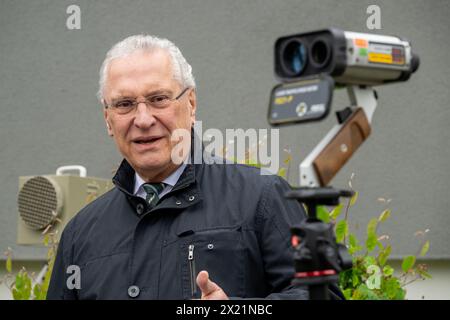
(49,115)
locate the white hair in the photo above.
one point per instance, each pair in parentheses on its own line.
(182,70)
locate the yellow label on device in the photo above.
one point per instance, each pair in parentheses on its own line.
(380,57)
(283,100)
(387,54)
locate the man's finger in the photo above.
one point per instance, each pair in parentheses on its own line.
(206,285)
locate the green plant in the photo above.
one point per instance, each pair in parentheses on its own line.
(371,277)
(251,161)
(24,286)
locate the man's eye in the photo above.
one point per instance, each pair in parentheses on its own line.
(124,104)
(159,99)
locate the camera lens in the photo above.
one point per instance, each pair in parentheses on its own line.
(293,57)
(320,53)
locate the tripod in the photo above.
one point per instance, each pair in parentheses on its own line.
(318,258)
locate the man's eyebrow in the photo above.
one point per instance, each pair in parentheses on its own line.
(121,95)
(159,91)
(147,94)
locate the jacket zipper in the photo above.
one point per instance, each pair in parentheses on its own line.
(192,270)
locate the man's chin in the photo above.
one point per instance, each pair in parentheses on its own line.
(152,165)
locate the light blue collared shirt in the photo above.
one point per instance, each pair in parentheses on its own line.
(170,182)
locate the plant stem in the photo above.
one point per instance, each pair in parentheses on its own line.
(409,282)
(346,219)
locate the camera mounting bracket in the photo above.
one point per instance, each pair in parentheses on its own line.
(339,144)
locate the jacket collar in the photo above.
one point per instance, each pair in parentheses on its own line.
(188,195)
(125,175)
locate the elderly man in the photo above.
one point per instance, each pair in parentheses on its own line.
(169,230)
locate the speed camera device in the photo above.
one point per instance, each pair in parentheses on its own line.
(311,65)
(46,203)
(349,57)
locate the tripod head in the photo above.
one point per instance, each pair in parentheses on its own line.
(318,259)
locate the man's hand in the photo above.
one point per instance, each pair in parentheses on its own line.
(210,290)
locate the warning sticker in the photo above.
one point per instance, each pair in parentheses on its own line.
(380,57)
(387,54)
(361,43)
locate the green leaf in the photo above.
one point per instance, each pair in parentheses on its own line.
(17,295)
(27,287)
(384,254)
(38,292)
(347,294)
(9,264)
(424,274)
(50,253)
(359,294)
(341,230)
(364,293)
(380,245)
(47,277)
(282,172)
(392,289)
(288,159)
(369,260)
(408,263)
(46,239)
(322,214)
(425,248)
(19,281)
(371,242)
(352,240)
(355,278)
(253,164)
(384,215)
(353,199)
(372,226)
(334,214)
(344,280)
(353,250)
(399,294)
(353,244)
(388,271)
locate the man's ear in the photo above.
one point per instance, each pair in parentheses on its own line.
(193,103)
(108,125)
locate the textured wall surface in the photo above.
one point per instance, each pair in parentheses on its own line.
(49,115)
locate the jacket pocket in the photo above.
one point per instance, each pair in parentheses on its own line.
(104,277)
(218,251)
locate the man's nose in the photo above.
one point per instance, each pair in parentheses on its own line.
(143,118)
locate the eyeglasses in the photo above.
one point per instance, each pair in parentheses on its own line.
(159,101)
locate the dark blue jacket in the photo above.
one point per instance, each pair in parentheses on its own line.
(227,219)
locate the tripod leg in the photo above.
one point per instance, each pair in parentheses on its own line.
(319,292)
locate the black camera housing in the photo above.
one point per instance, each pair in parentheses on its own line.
(325,53)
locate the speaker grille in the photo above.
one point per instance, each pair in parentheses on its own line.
(37,201)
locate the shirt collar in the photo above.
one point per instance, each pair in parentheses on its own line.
(170,180)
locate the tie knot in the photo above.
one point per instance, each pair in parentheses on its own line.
(153,188)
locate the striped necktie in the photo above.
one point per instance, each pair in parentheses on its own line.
(152,190)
